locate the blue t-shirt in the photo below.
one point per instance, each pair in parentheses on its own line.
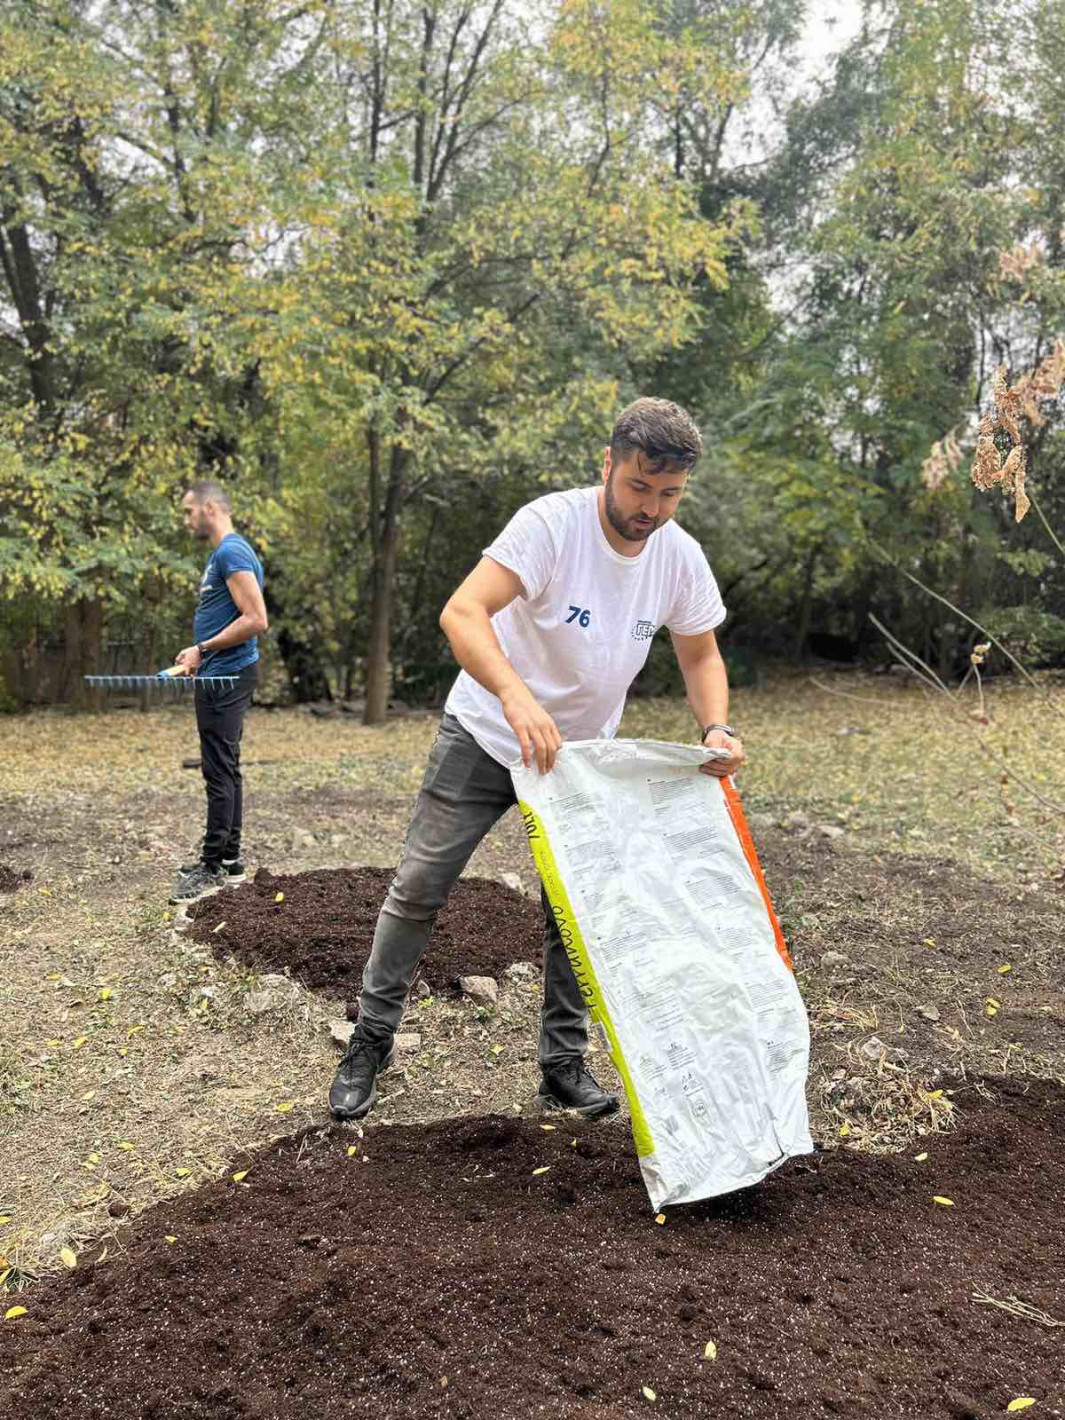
(216,608)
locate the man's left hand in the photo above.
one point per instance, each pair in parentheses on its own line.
(722,768)
(190,658)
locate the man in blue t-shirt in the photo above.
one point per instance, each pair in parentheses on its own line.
(230,616)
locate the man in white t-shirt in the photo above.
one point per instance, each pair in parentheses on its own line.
(550,629)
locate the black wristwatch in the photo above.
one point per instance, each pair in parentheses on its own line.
(727,729)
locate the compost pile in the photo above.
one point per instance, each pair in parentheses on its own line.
(496,1268)
(319,927)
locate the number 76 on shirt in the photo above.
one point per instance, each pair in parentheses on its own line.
(581,615)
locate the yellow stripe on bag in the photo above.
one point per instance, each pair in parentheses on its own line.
(583,970)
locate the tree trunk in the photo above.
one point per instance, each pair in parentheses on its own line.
(384,531)
(379,650)
(806,608)
(83,638)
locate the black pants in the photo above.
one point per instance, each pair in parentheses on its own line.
(220,720)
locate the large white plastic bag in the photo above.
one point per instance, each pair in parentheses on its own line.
(664,914)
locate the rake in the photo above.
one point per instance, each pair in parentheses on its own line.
(174,678)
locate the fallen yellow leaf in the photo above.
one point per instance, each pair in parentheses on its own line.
(105,994)
(352,1150)
(240,1177)
(992,1011)
(170,1237)
(218,928)
(279,897)
(919,1158)
(182,1173)
(79,1042)
(5,1218)
(283,1107)
(943,1202)
(845,1129)
(930,941)
(6,1272)
(134,1029)
(123,1051)
(648,1393)
(547,1128)
(68,1258)
(710,1351)
(88,1095)
(125,1146)
(13,1312)
(936,1094)
(94,1158)
(660,1218)
(1021,1403)
(992,1002)
(545,1169)
(1006,967)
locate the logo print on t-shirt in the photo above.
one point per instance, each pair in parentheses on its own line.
(643,631)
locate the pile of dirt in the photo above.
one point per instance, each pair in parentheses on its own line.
(10,881)
(322,929)
(495,1268)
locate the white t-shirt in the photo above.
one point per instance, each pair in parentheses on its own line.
(583,629)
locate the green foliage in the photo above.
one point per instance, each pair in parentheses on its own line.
(1034,636)
(386,321)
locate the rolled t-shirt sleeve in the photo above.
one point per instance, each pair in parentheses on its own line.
(528,548)
(698,606)
(234,556)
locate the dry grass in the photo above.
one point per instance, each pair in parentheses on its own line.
(131,1068)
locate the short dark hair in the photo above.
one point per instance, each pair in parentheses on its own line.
(207,488)
(661,431)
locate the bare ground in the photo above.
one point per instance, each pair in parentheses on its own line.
(131,1069)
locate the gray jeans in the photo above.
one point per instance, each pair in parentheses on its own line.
(464,792)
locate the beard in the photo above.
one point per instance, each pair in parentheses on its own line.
(626,527)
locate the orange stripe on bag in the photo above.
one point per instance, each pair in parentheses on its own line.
(743,833)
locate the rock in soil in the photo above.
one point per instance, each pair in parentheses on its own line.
(408,1040)
(831,960)
(930,1013)
(482,989)
(341,1032)
(10,880)
(322,929)
(525,1268)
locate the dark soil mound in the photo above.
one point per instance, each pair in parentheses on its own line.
(489,1268)
(322,930)
(10,881)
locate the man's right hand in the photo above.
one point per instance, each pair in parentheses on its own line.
(536,731)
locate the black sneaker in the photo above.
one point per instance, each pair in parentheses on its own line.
(232,867)
(354,1090)
(201,882)
(571,1085)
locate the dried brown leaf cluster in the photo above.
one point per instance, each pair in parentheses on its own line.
(1042,383)
(1011,404)
(943,460)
